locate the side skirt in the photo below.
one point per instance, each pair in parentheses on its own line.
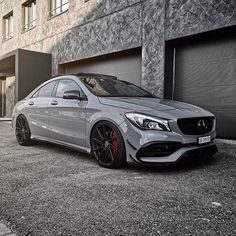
(72,146)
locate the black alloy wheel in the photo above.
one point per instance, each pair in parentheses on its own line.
(107,145)
(23,133)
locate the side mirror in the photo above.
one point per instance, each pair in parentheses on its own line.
(73,94)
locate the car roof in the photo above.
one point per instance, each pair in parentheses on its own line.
(81,74)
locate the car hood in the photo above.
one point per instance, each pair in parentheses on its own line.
(154,106)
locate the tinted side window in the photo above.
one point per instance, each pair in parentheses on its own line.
(46,90)
(66,85)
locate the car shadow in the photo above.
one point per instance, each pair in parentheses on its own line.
(181,166)
(63,149)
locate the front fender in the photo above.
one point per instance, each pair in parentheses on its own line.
(93,117)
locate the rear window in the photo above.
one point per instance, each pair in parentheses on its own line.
(46,90)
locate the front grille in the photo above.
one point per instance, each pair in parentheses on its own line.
(200,153)
(196,126)
(158,149)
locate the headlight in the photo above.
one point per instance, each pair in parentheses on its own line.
(148,122)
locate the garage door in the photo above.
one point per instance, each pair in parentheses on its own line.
(205,75)
(125,65)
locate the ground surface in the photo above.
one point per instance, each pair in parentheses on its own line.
(49,190)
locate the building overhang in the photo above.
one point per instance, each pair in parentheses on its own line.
(7,64)
(30,68)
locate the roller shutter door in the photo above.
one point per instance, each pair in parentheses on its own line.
(125,65)
(205,75)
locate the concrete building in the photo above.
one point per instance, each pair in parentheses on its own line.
(181,49)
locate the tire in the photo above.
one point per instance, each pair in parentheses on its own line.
(22,131)
(107,145)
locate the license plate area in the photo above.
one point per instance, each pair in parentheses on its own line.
(205,139)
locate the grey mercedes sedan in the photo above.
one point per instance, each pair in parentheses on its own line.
(116,121)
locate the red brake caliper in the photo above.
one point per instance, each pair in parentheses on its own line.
(114,144)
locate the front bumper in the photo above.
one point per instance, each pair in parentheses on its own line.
(182,153)
(181,145)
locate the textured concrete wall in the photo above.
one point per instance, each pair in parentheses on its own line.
(119,31)
(103,26)
(153,46)
(10,95)
(186,17)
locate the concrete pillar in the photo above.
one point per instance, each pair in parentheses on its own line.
(10,95)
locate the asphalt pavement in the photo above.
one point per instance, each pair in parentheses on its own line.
(46,189)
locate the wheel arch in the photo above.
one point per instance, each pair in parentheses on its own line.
(21,114)
(120,159)
(115,118)
(99,121)
(23,139)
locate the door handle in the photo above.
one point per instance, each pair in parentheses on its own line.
(54,103)
(31,103)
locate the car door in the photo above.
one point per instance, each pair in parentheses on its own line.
(37,110)
(67,116)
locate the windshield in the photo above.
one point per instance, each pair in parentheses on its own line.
(106,87)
